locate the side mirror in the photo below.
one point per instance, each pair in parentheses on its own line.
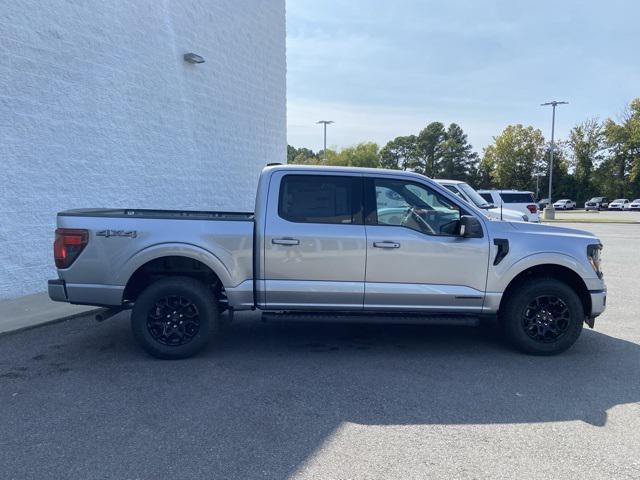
(470,227)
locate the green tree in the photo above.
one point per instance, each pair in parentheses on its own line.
(429,149)
(514,156)
(361,155)
(586,146)
(400,153)
(458,159)
(623,144)
(563,183)
(302,156)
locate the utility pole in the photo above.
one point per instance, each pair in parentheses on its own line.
(325,123)
(549,212)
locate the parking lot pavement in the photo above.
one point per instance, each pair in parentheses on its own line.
(80,400)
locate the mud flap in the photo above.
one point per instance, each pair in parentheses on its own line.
(591,321)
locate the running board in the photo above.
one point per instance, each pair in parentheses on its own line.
(358,317)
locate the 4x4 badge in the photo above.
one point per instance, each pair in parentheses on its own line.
(117,233)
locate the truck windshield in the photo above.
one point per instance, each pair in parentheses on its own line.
(475,196)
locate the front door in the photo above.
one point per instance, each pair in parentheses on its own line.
(314,242)
(416,259)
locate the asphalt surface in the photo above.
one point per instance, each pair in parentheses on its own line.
(79,400)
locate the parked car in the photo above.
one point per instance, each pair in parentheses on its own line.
(330,243)
(635,205)
(619,204)
(514,200)
(564,204)
(596,203)
(542,203)
(467,193)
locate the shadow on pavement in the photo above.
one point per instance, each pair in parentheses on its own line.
(81,400)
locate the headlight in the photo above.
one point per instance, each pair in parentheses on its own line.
(593,254)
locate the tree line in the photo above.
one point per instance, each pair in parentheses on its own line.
(598,158)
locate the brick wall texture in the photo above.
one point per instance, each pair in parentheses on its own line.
(99,109)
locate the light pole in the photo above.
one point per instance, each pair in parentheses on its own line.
(538,175)
(549,212)
(325,123)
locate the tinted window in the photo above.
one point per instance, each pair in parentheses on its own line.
(517,197)
(487,197)
(407,204)
(319,198)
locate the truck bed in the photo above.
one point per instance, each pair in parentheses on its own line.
(157,214)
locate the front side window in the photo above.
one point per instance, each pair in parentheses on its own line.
(320,199)
(411,205)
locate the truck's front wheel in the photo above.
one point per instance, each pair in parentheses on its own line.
(542,317)
(175,317)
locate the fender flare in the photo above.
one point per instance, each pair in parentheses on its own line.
(537,260)
(187,250)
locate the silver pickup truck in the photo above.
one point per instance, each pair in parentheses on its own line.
(334,244)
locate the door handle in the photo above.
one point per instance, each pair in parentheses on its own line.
(386,244)
(285,241)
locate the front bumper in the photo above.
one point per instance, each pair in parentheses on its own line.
(598,302)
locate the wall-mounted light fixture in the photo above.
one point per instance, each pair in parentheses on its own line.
(193,58)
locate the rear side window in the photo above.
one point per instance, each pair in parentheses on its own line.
(320,199)
(517,197)
(487,197)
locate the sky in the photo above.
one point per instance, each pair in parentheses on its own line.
(381,69)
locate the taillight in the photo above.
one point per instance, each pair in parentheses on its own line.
(532,208)
(68,245)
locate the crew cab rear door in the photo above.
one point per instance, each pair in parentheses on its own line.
(314,241)
(416,259)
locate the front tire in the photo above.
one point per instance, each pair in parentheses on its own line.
(542,317)
(175,318)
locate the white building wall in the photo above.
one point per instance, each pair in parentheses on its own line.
(98,109)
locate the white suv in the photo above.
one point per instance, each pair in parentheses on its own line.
(468,194)
(515,200)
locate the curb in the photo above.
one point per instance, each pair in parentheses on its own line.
(37,309)
(57,319)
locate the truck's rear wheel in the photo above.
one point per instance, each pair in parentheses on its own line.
(542,317)
(175,317)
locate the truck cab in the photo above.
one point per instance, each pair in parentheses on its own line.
(331,243)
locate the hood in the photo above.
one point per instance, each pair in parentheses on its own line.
(508,215)
(542,229)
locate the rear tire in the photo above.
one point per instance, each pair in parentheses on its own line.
(542,317)
(175,318)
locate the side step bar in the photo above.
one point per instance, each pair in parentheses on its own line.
(374,317)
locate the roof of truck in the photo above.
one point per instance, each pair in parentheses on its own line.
(329,168)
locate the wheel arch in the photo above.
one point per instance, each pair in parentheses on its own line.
(551,270)
(172,260)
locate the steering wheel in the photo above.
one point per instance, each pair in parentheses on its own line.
(412,212)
